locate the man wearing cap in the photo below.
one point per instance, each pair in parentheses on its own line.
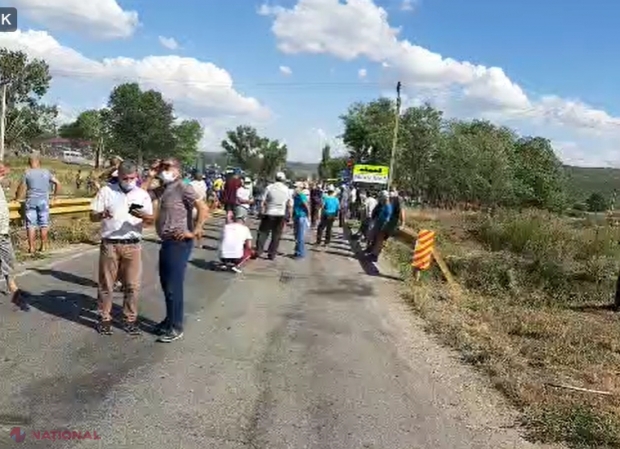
(329,212)
(178,231)
(276,205)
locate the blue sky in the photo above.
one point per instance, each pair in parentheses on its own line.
(546,68)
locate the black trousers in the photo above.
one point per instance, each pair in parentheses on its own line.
(326,225)
(314,213)
(269,225)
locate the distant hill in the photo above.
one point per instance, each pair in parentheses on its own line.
(583,181)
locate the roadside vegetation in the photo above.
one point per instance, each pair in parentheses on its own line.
(534,315)
(536,263)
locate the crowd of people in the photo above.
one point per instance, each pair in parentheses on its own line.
(128,199)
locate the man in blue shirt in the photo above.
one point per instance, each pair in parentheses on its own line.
(301,209)
(36,186)
(329,212)
(380,226)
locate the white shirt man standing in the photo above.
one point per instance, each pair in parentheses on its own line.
(122,208)
(276,205)
(244,199)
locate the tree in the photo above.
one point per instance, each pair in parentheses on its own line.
(323,168)
(187,134)
(368,131)
(141,123)
(597,203)
(90,125)
(243,146)
(251,152)
(453,162)
(27,82)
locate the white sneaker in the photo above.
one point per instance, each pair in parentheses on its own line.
(236,269)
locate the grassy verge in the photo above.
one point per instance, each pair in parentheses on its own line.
(535,312)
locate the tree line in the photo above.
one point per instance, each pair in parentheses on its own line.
(445,162)
(137,124)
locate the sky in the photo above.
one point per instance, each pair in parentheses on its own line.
(292,67)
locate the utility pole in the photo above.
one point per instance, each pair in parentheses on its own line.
(395,138)
(3,85)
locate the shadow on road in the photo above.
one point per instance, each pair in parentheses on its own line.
(369,267)
(67,277)
(79,308)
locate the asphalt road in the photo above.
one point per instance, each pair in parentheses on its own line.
(289,354)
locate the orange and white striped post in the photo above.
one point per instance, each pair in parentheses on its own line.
(423,252)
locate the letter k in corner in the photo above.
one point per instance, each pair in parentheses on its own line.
(8,20)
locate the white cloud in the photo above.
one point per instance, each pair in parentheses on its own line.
(284,70)
(198,89)
(194,86)
(359,29)
(362,73)
(104,19)
(169,42)
(408,5)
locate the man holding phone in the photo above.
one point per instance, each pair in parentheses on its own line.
(178,230)
(122,208)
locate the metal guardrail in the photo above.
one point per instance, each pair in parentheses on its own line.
(61,206)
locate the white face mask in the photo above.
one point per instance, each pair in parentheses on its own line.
(128,185)
(167,177)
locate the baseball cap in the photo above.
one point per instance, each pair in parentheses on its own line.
(280,176)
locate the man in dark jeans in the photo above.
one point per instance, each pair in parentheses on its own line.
(316,199)
(177,230)
(329,212)
(229,195)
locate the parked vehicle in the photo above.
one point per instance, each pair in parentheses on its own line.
(75,158)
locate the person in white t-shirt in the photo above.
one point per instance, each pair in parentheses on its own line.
(276,206)
(244,200)
(236,244)
(198,183)
(122,208)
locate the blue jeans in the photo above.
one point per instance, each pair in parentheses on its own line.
(300,226)
(173,258)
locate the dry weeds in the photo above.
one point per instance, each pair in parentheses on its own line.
(535,312)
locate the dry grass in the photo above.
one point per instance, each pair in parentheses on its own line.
(535,311)
(64,231)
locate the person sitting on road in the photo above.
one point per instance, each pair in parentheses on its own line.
(236,244)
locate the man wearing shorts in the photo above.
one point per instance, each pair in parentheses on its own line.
(36,184)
